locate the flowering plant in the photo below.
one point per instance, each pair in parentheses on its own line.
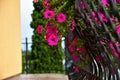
(51,20)
(58,20)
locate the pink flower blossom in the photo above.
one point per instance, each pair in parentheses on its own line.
(61,17)
(90,20)
(103,42)
(102,16)
(113,19)
(83,5)
(117,43)
(35,1)
(50,29)
(118,1)
(97,59)
(46,5)
(105,3)
(52,40)
(81,50)
(76,69)
(75,40)
(49,14)
(74,57)
(113,49)
(94,15)
(118,29)
(71,48)
(39,29)
(73,25)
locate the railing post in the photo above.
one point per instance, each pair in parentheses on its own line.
(26,55)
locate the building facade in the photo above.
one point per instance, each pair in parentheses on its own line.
(10,44)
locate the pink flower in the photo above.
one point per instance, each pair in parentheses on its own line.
(90,20)
(45,1)
(35,1)
(105,3)
(97,59)
(76,69)
(113,49)
(52,40)
(50,29)
(49,14)
(102,16)
(103,42)
(113,19)
(94,15)
(117,43)
(118,1)
(46,5)
(71,48)
(39,29)
(75,40)
(81,50)
(73,25)
(118,29)
(61,17)
(83,5)
(74,57)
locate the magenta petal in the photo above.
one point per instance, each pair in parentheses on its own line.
(50,29)
(61,17)
(52,40)
(118,29)
(105,3)
(81,50)
(97,59)
(76,69)
(39,29)
(74,57)
(113,49)
(49,14)
(73,25)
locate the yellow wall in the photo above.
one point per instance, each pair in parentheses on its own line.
(10,46)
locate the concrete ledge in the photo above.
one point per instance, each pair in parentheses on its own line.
(39,77)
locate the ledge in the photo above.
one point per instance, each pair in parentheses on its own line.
(39,77)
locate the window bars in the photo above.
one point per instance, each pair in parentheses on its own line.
(92,49)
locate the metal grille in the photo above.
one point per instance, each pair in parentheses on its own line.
(98,35)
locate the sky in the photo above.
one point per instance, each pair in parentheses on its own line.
(26,11)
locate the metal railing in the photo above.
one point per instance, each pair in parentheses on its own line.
(94,34)
(25,56)
(26,52)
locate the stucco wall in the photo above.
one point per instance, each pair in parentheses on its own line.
(10,46)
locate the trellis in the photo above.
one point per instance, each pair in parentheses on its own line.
(97,38)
